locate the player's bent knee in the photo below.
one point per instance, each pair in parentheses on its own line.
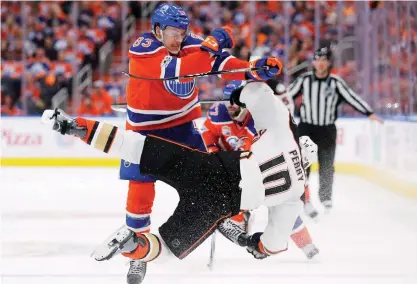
(251,184)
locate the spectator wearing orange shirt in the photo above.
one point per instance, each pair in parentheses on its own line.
(101,98)
(62,66)
(87,107)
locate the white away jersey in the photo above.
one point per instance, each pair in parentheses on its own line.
(277,153)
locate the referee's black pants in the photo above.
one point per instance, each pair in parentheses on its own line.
(325,138)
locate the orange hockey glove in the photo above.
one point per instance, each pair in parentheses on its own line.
(220,38)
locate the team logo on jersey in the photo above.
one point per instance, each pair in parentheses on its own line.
(183,90)
(166,61)
(236,143)
(226,131)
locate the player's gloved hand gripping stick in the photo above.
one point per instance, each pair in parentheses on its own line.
(63,123)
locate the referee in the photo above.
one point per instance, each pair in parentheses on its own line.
(322,93)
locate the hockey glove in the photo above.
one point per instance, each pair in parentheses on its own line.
(274,68)
(220,38)
(63,123)
(308,151)
(255,247)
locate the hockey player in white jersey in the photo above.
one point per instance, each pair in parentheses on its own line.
(211,186)
(276,152)
(281,92)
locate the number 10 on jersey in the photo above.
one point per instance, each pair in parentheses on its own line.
(276,181)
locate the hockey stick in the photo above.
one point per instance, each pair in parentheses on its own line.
(241,70)
(212,250)
(123,107)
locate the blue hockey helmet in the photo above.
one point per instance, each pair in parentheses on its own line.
(230,87)
(170,15)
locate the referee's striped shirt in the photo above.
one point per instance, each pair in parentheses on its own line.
(321,98)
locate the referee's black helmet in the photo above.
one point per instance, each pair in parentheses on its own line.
(323,52)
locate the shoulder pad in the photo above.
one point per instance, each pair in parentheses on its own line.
(146,44)
(218,113)
(193,40)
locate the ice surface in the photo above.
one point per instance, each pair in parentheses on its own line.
(53,218)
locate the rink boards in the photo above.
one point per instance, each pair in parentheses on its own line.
(384,154)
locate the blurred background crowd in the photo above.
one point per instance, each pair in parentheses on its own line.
(70,54)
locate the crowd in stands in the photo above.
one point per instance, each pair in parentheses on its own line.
(51,38)
(50,49)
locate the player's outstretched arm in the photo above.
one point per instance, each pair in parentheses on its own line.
(105,137)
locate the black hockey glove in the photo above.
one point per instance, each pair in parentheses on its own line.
(253,246)
(63,123)
(235,97)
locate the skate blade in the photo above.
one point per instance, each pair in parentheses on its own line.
(107,252)
(110,247)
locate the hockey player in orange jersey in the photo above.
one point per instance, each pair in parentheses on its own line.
(231,128)
(228,127)
(168,108)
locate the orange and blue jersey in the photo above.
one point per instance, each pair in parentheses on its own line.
(11,69)
(163,104)
(221,132)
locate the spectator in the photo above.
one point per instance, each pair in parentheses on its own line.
(51,39)
(101,98)
(49,86)
(50,51)
(8,108)
(87,107)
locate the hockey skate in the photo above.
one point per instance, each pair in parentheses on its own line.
(123,240)
(310,250)
(137,272)
(328,205)
(310,211)
(235,229)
